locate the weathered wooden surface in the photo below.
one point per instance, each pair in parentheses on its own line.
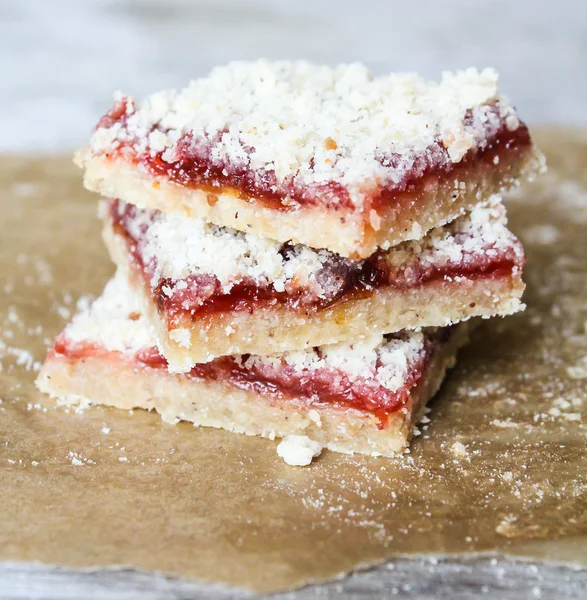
(424,579)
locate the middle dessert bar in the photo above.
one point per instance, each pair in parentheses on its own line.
(212,291)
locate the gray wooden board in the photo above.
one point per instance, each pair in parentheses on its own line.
(422,578)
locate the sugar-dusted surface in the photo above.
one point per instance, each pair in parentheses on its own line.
(192,267)
(304,133)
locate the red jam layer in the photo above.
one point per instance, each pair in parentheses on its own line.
(203,294)
(194,167)
(319,388)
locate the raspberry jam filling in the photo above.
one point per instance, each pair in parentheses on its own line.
(200,294)
(320,387)
(193,166)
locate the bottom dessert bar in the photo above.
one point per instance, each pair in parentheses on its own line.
(362,397)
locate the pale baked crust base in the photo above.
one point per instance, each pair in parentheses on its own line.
(357,237)
(113,382)
(273,330)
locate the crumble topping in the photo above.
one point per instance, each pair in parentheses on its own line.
(295,123)
(113,321)
(199,260)
(480,235)
(385,361)
(174,246)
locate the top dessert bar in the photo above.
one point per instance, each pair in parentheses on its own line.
(332,158)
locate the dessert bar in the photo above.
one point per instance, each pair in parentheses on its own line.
(331,158)
(363,397)
(212,291)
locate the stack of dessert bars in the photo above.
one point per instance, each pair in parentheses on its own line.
(299,250)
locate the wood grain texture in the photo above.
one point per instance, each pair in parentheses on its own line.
(423,579)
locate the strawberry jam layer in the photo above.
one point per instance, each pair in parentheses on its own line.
(280,381)
(202,294)
(192,165)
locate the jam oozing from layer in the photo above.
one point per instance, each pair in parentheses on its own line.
(201,294)
(321,387)
(193,166)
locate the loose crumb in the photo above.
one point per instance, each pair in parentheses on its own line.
(578,371)
(460,450)
(298,450)
(77,460)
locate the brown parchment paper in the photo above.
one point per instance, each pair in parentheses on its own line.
(106,487)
